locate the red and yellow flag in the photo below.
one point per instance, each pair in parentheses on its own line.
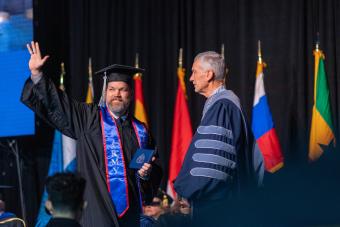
(140,112)
(181,133)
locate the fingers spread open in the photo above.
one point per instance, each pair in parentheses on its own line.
(33,47)
(29,48)
(37,48)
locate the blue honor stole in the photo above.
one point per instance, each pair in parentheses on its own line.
(115,167)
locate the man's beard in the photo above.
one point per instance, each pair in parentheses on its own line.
(119,109)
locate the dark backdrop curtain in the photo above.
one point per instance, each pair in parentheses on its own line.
(114,31)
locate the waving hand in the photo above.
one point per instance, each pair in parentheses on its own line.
(35,62)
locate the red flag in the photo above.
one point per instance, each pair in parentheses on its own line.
(140,112)
(181,133)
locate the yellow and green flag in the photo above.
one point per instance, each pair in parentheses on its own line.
(321,132)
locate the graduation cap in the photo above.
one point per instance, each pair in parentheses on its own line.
(116,73)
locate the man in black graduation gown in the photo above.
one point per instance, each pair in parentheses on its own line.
(107,137)
(217,169)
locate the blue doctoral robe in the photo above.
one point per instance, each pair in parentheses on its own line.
(218,165)
(6,215)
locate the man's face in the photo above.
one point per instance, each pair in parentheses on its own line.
(118,97)
(199,77)
(154,209)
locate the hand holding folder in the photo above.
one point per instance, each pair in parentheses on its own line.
(141,162)
(140,157)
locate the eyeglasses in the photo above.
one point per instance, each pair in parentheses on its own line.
(154,204)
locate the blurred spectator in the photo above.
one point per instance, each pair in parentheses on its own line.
(179,215)
(154,209)
(160,204)
(8,219)
(65,199)
(3,213)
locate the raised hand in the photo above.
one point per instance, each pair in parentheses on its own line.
(36,62)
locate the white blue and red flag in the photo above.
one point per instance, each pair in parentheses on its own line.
(263,125)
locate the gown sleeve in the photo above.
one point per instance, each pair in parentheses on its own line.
(56,108)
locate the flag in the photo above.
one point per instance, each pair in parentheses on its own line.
(89,95)
(181,133)
(263,125)
(63,159)
(321,132)
(140,112)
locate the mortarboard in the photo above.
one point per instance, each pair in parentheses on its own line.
(116,73)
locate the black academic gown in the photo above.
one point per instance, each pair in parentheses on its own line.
(82,122)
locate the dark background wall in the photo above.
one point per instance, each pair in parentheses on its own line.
(113,31)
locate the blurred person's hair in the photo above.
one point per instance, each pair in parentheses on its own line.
(66,191)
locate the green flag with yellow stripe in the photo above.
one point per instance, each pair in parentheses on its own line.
(322,132)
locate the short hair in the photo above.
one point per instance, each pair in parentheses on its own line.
(66,191)
(213,61)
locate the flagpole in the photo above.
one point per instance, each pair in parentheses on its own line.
(90,70)
(180,58)
(317,44)
(180,69)
(137,65)
(62,74)
(90,91)
(226,69)
(259,54)
(137,60)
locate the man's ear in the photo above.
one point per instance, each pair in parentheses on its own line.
(210,75)
(49,207)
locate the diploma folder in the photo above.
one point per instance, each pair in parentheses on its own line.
(140,157)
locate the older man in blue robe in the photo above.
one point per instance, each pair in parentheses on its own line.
(217,175)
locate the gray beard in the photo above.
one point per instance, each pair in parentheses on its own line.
(118,111)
